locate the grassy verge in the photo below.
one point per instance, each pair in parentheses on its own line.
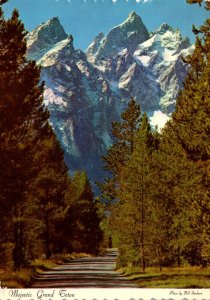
(185,277)
(18,279)
(23,277)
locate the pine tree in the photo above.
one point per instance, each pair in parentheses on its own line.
(23,124)
(172,167)
(117,155)
(131,216)
(48,188)
(192,110)
(22,115)
(191,124)
(185,159)
(82,220)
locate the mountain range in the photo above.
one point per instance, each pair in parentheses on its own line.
(86,91)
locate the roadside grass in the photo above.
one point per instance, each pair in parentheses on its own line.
(41,265)
(23,277)
(183,277)
(15,279)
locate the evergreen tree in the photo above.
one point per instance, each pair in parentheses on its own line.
(117,155)
(191,125)
(184,158)
(162,215)
(82,220)
(131,216)
(23,121)
(171,191)
(48,189)
(24,129)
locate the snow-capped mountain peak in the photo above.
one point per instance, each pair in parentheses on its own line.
(94,46)
(161,56)
(164,28)
(44,37)
(128,35)
(85,92)
(132,23)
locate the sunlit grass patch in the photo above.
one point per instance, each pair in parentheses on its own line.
(43,263)
(72,256)
(185,277)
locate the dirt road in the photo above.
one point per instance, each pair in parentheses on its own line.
(90,272)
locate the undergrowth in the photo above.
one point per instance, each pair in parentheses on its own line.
(23,277)
(15,279)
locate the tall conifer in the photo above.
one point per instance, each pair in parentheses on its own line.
(82,220)
(23,126)
(131,216)
(188,135)
(120,152)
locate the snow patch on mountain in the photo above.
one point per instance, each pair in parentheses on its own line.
(51,97)
(64,48)
(144,59)
(158,118)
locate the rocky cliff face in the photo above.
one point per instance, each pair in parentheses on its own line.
(128,35)
(85,92)
(160,56)
(81,103)
(44,37)
(153,72)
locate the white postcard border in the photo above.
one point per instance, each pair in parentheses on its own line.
(104,294)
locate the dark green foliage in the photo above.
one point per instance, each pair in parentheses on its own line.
(48,189)
(23,123)
(186,144)
(190,131)
(82,220)
(131,217)
(117,155)
(34,182)
(162,216)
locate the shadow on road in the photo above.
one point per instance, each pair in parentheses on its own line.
(93,272)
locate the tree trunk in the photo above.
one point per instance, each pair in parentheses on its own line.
(142,239)
(18,253)
(158,252)
(16,248)
(47,236)
(178,257)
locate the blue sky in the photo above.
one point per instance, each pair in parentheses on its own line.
(84,19)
